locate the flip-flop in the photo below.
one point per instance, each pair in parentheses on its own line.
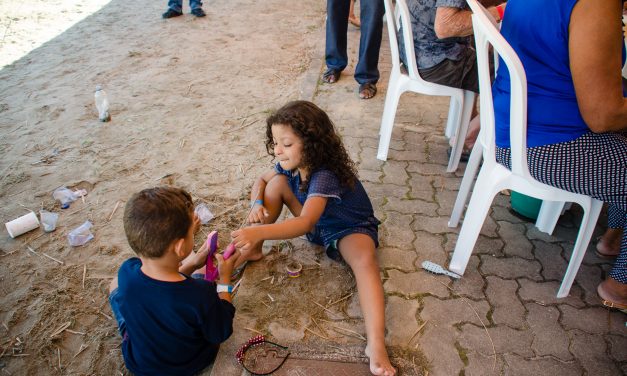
(211,271)
(331,76)
(367,90)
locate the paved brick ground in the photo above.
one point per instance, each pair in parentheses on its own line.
(503,316)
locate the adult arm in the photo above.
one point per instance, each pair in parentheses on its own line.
(455,22)
(594,46)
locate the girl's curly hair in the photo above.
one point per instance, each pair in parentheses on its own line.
(322,146)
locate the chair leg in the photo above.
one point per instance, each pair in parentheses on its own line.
(460,134)
(550,213)
(387,120)
(588,223)
(464,189)
(454,116)
(480,202)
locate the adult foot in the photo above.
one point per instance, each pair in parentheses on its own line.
(379,362)
(171,13)
(608,245)
(198,12)
(367,90)
(331,76)
(613,293)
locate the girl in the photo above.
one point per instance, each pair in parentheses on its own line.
(316,179)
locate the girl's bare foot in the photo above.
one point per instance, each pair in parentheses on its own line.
(379,362)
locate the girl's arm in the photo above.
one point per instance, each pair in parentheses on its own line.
(258,212)
(594,46)
(313,208)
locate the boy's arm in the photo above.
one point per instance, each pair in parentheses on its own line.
(313,208)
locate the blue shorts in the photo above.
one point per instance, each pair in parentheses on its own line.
(330,242)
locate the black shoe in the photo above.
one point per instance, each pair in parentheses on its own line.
(171,13)
(198,12)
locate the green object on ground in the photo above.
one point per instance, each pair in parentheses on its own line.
(526,206)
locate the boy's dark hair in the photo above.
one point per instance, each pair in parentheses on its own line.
(322,146)
(155,217)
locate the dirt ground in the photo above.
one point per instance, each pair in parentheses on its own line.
(188,102)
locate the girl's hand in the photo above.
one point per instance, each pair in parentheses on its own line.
(258,214)
(225,267)
(244,239)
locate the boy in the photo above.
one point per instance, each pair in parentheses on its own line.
(175,8)
(171,324)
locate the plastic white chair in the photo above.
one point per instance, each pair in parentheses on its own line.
(462,101)
(493,177)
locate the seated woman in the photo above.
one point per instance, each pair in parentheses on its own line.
(572,54)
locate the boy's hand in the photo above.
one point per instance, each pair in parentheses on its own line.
(258,214)
(196,223)
(225,267)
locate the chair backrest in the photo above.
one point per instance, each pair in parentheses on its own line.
(395,16)
(486,34)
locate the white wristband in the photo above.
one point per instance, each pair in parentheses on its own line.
(220,287)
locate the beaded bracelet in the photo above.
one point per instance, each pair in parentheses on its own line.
(260,340)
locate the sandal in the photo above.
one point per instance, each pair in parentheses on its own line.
(331,76)
(367,90)
(607,298)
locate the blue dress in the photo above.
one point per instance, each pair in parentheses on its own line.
(346,212)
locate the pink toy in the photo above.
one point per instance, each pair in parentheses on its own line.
(211,271)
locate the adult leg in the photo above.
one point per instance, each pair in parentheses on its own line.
(594,164)
(371,14)
(175,5)
(358,250)
(609,244)
(276,194)
(335,47)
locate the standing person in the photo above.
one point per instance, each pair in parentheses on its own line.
(576,110)
(316,179)
(175,8)
(366,71)
(170,323)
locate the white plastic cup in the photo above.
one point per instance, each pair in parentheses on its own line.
(22,224)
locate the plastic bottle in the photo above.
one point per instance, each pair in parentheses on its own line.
(102,104)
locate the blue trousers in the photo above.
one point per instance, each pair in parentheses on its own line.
(177,5)
(371,15)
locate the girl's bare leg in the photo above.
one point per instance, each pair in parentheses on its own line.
(358,250)
(276,194)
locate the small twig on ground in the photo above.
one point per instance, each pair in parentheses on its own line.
(254,331)
(264,303)
(241,127)
(84,275)
(316,334)
(350,333)
(61,329)
(323,307)
(32,250)
(59,357)
(53,259)
(81,349)
(105,315)
(271,298)
(319,327)
(78,210)
(417,331)
(339,300)
(8,253)
(75,332)
(117,203)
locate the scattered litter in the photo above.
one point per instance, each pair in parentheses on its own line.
(80,235)
(66,196)
(22,224)
(203,213)
(437,269)
(48,220)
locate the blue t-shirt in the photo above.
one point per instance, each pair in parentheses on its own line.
(347,210)
(173,328)
(538,31)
